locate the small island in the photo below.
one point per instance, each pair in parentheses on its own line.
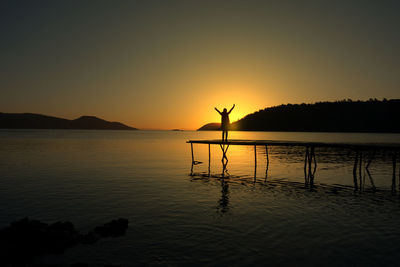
(213,126)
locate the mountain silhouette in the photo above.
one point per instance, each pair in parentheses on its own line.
(38,121)
(340,116)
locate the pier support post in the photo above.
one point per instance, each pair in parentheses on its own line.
(394,173)
(371,157)
(255,162)
(267,167)
(311,174)
(209,160)
(193,161)
(305,167)
(355,171)
(191,169)
(191,148)
(359,171)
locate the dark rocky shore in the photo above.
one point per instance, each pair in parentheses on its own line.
(24,240)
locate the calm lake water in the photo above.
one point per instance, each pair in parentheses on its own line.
(92,177)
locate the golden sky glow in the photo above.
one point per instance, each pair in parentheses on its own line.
(167,64)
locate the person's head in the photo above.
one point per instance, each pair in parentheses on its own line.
(225,110)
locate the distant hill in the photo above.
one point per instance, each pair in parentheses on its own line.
(340,116)
(37,121)
(210,127)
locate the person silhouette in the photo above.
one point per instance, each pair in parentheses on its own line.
(225,122)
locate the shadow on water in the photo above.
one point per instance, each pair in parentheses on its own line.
(362,175)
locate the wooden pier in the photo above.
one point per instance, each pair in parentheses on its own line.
(362,151)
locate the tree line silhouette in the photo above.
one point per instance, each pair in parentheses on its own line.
(339,116)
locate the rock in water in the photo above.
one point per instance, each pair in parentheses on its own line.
(113,228)
(25,239)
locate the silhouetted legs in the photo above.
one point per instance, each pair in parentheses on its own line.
(225,135)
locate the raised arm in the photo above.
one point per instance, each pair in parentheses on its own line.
(231,109)
(218,111)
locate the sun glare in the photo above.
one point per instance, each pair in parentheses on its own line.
(247,97)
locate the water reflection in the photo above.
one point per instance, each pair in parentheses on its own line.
(224,160)
(370,156)
(362,175)
(310,167)
(224,200)
(266,168)
(394,156)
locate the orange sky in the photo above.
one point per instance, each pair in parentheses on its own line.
(167,64)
